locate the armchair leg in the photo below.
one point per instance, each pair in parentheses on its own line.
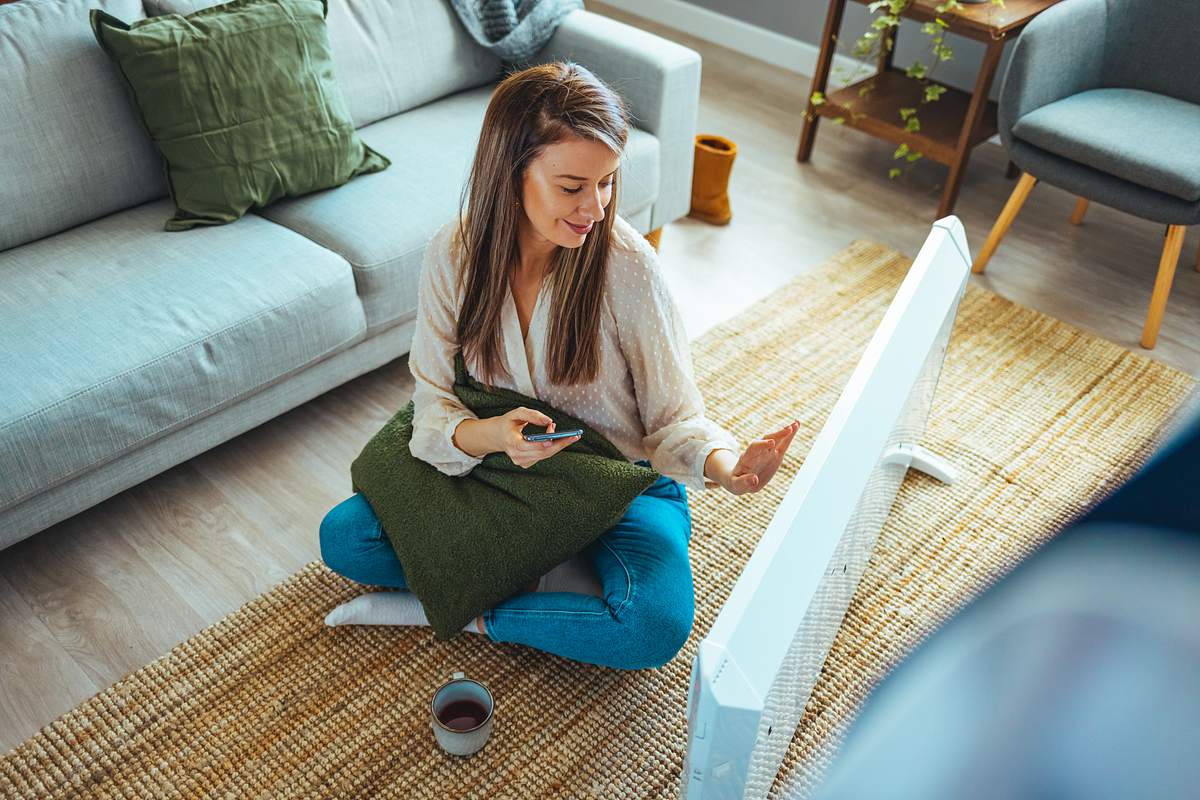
(1162,284)
(1007,215)
(1081,206)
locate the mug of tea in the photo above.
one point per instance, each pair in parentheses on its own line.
(462,715)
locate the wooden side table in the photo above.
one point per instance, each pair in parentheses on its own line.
(950,125)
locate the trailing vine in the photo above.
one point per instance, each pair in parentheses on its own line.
(879,39)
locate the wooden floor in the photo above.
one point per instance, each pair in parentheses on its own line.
(101,594)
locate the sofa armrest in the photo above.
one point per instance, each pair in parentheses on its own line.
(660,81)
(1060,53)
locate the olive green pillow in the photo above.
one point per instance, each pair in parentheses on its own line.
(241,100)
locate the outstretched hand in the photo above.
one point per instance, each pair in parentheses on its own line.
(760,461)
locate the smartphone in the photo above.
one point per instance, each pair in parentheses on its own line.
(541,437)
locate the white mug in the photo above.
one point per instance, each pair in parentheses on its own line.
(457,740)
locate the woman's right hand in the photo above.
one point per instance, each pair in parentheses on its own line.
(510,437)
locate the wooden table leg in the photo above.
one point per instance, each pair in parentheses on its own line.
(887,49)
(983,85)
(833,22)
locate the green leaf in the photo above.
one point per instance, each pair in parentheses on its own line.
(945,24)
(901,151)
(817,98)
(878,4)
(929,27)
(933,91)
(912,124)
(905,113)
(913,156)
(915,70)
(894,173)
(838,120)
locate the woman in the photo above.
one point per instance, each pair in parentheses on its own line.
(551,294)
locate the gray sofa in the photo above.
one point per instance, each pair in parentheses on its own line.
(127,349)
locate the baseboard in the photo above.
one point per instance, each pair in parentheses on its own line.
(751,40)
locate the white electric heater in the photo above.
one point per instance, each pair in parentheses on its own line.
(756,668)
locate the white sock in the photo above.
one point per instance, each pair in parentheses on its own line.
(384,608)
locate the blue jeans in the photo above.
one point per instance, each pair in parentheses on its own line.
(643,620)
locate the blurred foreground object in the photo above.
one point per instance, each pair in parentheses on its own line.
(1073,677)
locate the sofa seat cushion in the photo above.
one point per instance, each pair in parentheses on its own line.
(382,222)
(1146,138)
(115,332)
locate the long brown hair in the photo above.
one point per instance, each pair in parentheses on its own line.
(530,110)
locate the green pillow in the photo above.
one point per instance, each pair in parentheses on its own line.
(240,99)
(466,542)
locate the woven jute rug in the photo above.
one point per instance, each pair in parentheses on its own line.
(1039,417)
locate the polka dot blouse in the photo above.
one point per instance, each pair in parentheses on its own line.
(644,399)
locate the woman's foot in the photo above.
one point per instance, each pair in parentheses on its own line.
(388,608)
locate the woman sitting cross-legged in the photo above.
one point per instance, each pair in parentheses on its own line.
(548,292)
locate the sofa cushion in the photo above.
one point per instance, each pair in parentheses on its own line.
(73,147)
(1143,137)
(241,101)
(390,55)
(381,223)
(115,333)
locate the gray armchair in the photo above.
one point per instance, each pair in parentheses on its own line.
(1102,98)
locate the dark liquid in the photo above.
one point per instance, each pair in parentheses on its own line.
(462,715)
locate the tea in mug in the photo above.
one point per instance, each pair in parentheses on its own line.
(463,715)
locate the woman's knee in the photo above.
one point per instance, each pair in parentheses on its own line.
(340,528)
(660,628)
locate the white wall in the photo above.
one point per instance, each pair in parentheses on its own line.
(788,33)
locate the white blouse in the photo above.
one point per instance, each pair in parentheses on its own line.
(644,399)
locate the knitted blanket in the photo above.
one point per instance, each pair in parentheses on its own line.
(515,34)
(467,542)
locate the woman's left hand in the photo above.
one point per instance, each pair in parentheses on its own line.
(761,459)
